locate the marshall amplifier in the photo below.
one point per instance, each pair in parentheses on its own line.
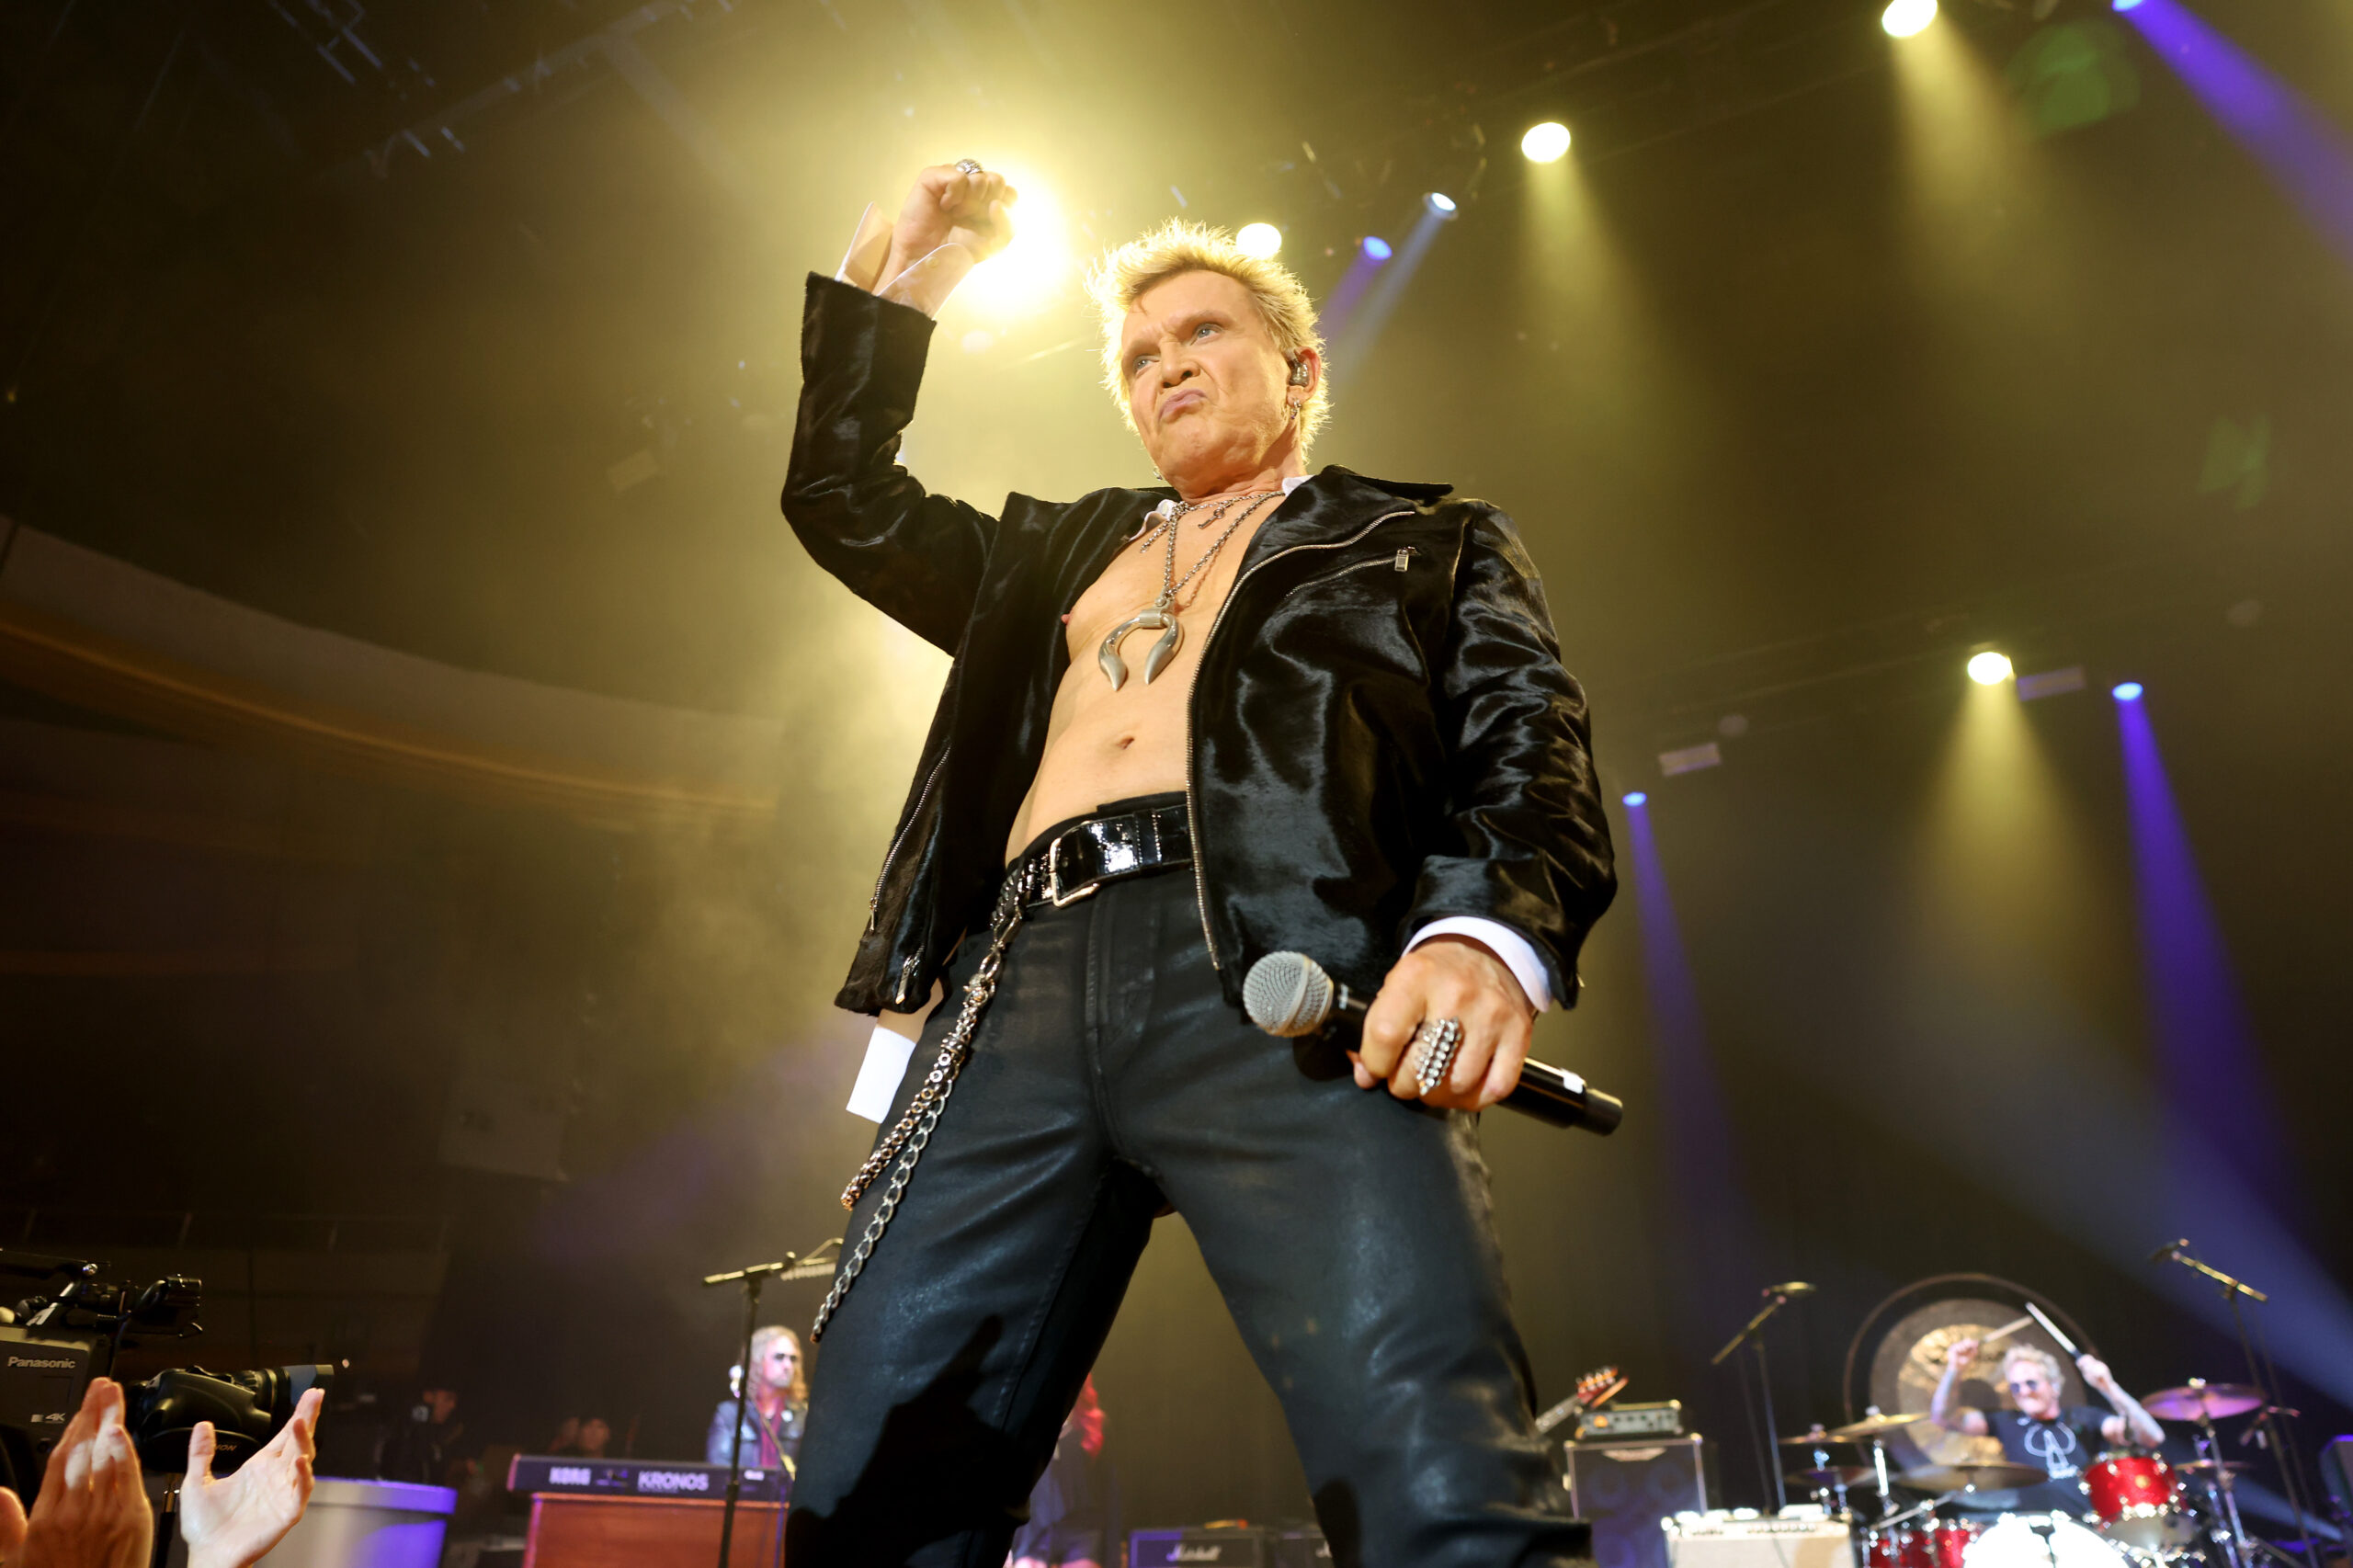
(1304,1547)
(537,1473)
(1236,1548)
(1624,1489)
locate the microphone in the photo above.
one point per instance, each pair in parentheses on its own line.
(1792,1289)
(1291,995)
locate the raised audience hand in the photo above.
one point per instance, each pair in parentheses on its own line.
(93,1511)
(231,1520)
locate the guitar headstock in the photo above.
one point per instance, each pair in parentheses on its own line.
(1598,1387)
(1594,1390)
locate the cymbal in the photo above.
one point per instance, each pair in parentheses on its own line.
(1817,1438)
(2228,1467)
(1997,1477)
(1831,1475)
(2204,1401)
(1872,1426)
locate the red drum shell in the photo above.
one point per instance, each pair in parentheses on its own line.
(1939,1544)
(2138,1501)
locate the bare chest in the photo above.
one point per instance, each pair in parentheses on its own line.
(1121,607)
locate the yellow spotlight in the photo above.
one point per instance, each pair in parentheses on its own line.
(1988,668)
(1031,271)
(1545,143)
(1260,240)
(1903,17)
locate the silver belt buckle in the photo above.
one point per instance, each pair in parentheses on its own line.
(1054,874)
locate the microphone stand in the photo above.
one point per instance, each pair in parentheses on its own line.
(2266,1418)
(751,1277)
(1753,1332)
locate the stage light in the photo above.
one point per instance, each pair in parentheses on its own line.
(2124,5)
(1636,797)
(1989,668)
(1545,143)
(1261,240)
(1905,18)
(1440,203)
(1034,266)
(1376,249)
(2126,691)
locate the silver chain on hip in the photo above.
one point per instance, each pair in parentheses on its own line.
(912,1134)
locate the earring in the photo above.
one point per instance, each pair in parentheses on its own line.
(1290,412)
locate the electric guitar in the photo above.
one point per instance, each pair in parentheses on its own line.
(1594,1390)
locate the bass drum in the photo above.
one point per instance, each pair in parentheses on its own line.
(2040,1540)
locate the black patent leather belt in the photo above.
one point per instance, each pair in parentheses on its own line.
(1096,850)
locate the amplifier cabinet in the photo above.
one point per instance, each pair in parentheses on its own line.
(1746,1540)
(1302,1549)
(1624,1488)
(1238,1548)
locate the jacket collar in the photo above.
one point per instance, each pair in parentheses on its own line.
(1330,507)
(1332,478)
(1334,504)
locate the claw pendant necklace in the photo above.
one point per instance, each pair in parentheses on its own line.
(1162,616)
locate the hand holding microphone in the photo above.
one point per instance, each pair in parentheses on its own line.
(1291,995)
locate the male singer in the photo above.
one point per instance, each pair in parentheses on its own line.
(1251,709)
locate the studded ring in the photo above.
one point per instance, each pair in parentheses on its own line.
(970,165)
(1437,1040)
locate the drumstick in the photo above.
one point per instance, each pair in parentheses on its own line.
(2053,1330)
(2008,1328)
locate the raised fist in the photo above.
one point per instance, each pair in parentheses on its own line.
(947,204)
(1960,1354)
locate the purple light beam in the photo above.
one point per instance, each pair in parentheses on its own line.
(2303,153)
(1703,1173)
(2211,1069)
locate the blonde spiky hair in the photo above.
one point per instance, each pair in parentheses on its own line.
(2052,1372)
(1133,269)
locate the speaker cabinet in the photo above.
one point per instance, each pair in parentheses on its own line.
(1624,1488)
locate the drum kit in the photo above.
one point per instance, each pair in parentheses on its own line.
(2139,1512)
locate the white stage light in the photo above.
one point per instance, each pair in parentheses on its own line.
(1545,143)
(1260,240)
(1989,668)
(1034,268)
(1903,17)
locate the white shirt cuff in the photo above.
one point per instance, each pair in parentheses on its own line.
(887,1055)
(1518,953)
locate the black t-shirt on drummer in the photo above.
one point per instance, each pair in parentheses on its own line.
(2064,1448)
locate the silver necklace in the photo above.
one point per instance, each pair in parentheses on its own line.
(1162,615)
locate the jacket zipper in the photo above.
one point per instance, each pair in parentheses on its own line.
(1396,564)
(874,905)
(1192,812)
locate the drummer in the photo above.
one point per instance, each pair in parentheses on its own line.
(2039,1432)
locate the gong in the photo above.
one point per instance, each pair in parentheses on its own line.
(1898,1357)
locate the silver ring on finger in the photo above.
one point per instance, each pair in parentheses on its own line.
(970,165)
(1437,1040)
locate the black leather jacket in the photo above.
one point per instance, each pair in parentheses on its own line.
(1382,733)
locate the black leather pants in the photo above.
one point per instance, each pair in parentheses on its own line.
(1349,1231)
